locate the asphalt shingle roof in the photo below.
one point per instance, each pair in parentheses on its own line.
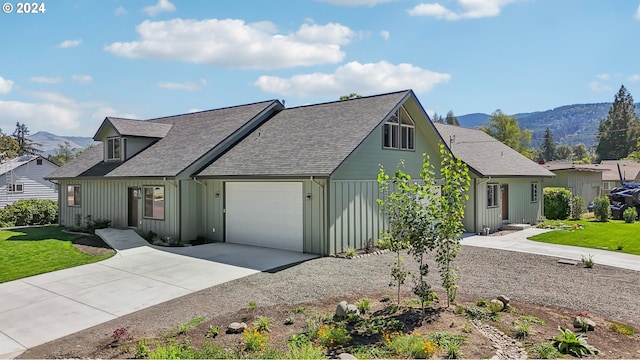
(488,156)
(306,140)
(141,128)
(189,138)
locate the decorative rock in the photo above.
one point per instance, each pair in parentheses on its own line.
(352,309)
(236,327)
(580,322)
(341,309)
(505,300)
(346,356)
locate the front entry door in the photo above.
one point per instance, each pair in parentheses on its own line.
(504,190)
(133,199)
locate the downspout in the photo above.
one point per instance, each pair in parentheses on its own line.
(206,204)
(324,214)
(177,205)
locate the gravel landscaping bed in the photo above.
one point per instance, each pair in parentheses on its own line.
(535,279)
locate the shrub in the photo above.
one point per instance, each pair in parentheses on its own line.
(350,252)
(331,336)
(262,324)
(449,342)
(364,305)
(254,340)
(29,212)
(575,344)
(410,345)
(602,208)
(630,215)
(557,203)
(577,208)
(545,351)
(521,329)
(622,329)
(306,351)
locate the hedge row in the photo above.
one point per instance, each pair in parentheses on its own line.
(29,212)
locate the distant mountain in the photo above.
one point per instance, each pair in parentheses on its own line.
(570,124)
(49,142)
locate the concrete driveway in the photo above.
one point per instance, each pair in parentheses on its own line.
(41,308)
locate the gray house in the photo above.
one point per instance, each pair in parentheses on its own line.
(584,180)
(301,179)
(23,178)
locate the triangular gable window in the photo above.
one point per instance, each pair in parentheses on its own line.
(399,131)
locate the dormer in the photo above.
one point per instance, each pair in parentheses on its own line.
(124,138)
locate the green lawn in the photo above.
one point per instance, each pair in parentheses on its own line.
(598,235)
(32,251)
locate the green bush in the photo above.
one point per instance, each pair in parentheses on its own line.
(630,215)
(29,212)
(557,203)
(577,208)
(602,208)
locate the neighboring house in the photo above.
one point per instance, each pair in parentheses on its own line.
(506,187)
(23,178)
(301,178)
(610,176)
(584,180)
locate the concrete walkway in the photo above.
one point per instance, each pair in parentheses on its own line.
(518,241)
(45,307)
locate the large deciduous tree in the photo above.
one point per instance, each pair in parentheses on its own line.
(507,130)
(581,154)
(618,132)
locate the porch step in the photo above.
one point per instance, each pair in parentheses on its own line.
(515,226)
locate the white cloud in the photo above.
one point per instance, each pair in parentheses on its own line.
(599,87)
(50,97)
(102,111)
(82,79)
(637,14)
(363,78)
(45,79)
(186,86)
(54,118)
(193,110)
(120,11)
(161,6)
(468,9)
(603,77)
(356,2)
(634,78)
(235,44)
(70,44)
(385,34)
(5,85)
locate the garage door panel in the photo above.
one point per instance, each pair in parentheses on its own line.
(265,214)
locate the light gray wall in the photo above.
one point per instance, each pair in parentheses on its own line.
(107,199)
(585,184)
(31,176)
(135,145)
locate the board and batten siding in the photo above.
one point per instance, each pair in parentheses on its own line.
(107,199)
(585,184)
(521,208)
(31,176)
(313,191)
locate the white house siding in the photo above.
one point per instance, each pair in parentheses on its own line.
(354,215)
(521,209)
(212,211)
(107,199)
(31,176)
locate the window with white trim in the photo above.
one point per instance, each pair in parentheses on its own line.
(608,185)
(492,195)
(15,187)
(399,131)
(113,148)
(154,202)
(73,195)
(534,192)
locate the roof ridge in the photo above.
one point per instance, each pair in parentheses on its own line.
(347,100)
(210,110)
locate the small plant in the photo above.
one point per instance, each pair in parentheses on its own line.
(622,329)
(587,261)
(142,349)
(630,215)
(582,320)
(305,351)
(121,334)
(545,351)
(575,344)
(298,340)
(466,328)
(299,310)
(331,336)
(450,343)
(495,307)
(262,324)
(620,245)
(213,332)
(521,329)
(254,340)
(350,252)
(532,319)
(185,327)
(384,243)
(577,208)
(385,298)
(410,345)
(480,313)
(289,320)
(251,305)
(364,305)
(482,302)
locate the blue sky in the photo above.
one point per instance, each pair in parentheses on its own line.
(64,70)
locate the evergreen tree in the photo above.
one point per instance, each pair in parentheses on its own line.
(437,118)
(618,132)
(563,152)
(452,119)
(506,129)
(548,146)
(26,146)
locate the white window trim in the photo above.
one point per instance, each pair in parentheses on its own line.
(534,195)
(395,122)
(144,199)
(15,188)
(495,196)
(79,199)
(110,146)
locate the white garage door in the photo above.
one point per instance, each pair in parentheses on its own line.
(265,214)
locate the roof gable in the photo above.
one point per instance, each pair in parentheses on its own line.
(310,140)
(487,156)
(129,127)
(12,164)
